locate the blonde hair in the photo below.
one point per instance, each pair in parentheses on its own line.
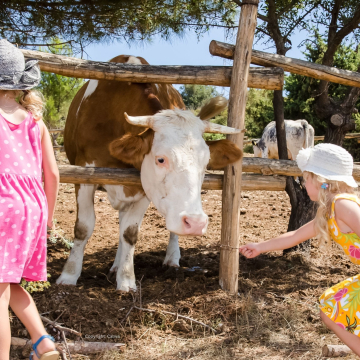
(32,100)
(326,196)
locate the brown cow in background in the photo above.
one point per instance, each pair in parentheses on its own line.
(160,138)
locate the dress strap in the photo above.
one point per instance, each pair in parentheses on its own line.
(351,197)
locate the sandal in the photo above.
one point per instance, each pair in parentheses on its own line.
(50,355)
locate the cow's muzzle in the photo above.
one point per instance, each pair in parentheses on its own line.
(195,225)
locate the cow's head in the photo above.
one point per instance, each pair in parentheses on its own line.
(257,150)
(173,157)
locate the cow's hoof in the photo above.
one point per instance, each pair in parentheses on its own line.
(126,286)
(66,279)
(171,263)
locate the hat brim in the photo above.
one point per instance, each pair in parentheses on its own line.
(30,78)
(19,86)
(348,180)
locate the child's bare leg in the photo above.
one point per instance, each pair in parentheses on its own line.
(25,309)
(5,334)
(351,340)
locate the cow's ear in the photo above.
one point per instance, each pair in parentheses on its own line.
(131,149)
(222,153)
(254,142)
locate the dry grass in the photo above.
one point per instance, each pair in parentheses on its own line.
(259,323)
(275,315)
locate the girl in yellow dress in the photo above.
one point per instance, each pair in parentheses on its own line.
(327,170)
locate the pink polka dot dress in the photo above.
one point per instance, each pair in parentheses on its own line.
(23,205)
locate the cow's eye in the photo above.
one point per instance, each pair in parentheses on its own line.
(161,161)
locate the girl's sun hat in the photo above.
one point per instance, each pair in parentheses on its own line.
(15,73)
(329,161)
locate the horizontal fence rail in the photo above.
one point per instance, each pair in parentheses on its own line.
(316,138)
(294,66)
(260,78)
(131,177)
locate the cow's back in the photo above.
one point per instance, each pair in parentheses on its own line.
(299,134)
(96,115)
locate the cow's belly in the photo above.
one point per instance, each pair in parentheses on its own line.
(120,196)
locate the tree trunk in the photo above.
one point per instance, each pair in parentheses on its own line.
(278,104)
(335,134)
(339,119)
(301,213)
(339,116)
(54,137)
(302,208)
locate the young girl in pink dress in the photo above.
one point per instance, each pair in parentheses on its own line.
(26,208)
(327,170)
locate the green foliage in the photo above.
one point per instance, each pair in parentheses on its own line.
(35,286)
(357,120)
(352,146)
(195,96)
(259,112)
(58,235)
(220,119)
(58,90)
(84,21)
(299,101)
(259,108)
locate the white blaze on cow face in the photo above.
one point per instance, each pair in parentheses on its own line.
(173,172)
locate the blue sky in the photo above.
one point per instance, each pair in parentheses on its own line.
(180,51)
(187,50)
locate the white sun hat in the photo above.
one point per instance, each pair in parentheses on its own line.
(329,161)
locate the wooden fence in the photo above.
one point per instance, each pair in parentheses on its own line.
(259,174)
(316,138)
(294,66)
(261,78)
(238,78)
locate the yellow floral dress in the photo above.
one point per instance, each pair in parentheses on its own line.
(341,303)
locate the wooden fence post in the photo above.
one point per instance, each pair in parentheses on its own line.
(230,230)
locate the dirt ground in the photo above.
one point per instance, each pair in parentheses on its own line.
(274,316)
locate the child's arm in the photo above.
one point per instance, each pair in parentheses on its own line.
(282,242)
(51,172)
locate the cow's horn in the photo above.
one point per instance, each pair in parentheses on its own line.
(145,121)
(220,129)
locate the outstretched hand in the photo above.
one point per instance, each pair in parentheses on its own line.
(250,250)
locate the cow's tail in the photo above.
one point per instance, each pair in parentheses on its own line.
(305,126)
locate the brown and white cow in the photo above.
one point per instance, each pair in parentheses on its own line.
(158,137)
(299,135)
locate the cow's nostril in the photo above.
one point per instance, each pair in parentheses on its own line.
(186,222)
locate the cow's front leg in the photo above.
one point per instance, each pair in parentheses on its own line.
(173,255)
(129,222)
(84,227)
